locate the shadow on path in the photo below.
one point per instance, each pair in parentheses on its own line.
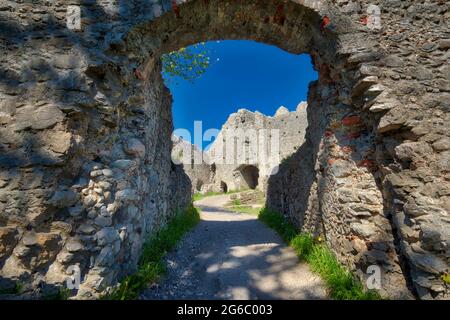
(234,256)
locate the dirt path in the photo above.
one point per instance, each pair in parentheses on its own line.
(234,256)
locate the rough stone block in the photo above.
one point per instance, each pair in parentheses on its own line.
(134,147)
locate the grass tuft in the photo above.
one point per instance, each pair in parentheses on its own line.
(198,196)
(236,202)
(341,283)
(151,266)
(245,209)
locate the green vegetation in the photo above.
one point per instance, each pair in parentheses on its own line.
(245,209)
(17,289)
(446,278)
(249,202)
(187,63)
(151,266)
(340,282)
(236,202)
(61,294)
(199,196)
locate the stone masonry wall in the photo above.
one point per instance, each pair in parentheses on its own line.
(85,129)
(264,150)
(194,163)
(327,188)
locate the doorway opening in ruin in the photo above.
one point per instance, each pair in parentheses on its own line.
(344,131)
(223,187)
(250,176)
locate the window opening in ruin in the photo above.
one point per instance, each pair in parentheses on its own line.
(250,175)
(199,185)
(223,187)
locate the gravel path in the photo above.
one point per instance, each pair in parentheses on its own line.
(234,256)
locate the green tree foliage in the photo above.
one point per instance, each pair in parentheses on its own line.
(187,63)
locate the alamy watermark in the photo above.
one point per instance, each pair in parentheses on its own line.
(374,17)
(373,13)
(373,281)
(73,17)
(74,280)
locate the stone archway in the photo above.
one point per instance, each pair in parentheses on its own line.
(85,166)
(223,187)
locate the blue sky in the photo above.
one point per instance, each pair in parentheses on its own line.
(243,74)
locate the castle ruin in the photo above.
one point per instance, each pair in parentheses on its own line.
(85,134)
(248,149)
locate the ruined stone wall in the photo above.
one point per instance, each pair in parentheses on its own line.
(85,170)
(327,188)
(256,140)
(85,177)
(194,162)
